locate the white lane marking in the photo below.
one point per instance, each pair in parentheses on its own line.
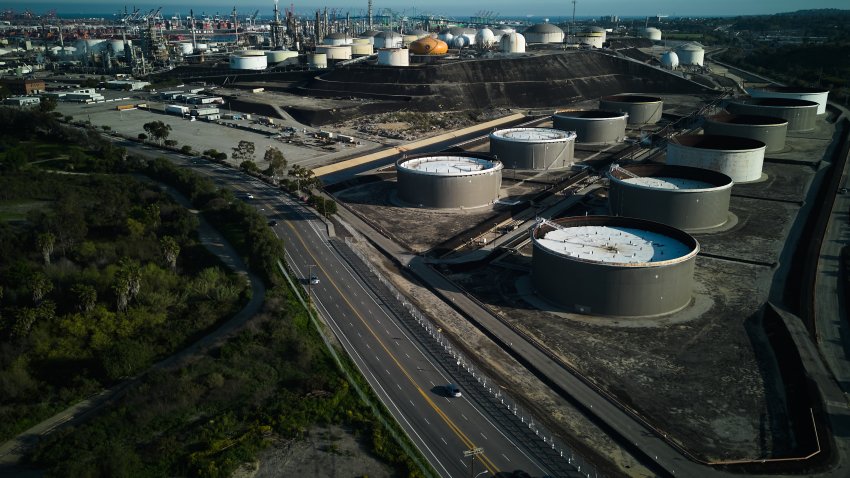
(464,464)
(506,457)
(426,420)
(399,386)
(444,440)
(408,356)
(464,417)
(433,384)
(368,347)
(482,434)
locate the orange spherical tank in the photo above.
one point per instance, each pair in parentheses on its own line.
(429,46)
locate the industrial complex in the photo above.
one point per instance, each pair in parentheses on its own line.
(650,226)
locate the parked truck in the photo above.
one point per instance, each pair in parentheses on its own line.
(177,110)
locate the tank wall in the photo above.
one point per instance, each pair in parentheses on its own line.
(771,135)
(597,289)
(741,166)
(818,97)
(519,155)
(691,57)
(687,210)
(432,191)
(800,119)
(639,113)
(607,130)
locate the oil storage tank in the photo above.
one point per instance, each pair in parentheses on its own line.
(448,180)
(818,95)
(388,40)
(317,60)
(512,43)
(801,114)
(394,57)
(544,33)
(651,33)
(739,158)
(593,126)
(613,266)
(248,60)
(691,54)
(641,109)
(335,52)
(770,131)
(691,199)
(533,148)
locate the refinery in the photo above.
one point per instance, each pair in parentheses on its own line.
(647,217)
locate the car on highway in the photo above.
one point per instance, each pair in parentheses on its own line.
(314,280)
(249,196)
(272,223)
(452,390)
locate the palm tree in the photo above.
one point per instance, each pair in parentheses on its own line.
(45,244)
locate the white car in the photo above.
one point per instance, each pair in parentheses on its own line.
(452,390)
(314,280)
(249,196)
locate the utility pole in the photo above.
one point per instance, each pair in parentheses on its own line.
(310,280)
(471,454)
(574,14)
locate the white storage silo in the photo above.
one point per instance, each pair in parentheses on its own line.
(691,54)
(670,60)
(388,40)
(485,38)
(248,60)
(512,43)
(317,60)
(393,57)
(652,33)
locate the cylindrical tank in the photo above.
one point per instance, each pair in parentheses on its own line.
(317,60)
(652,33)
(593,126)
(337,38)
(533,148)
(670,60)
(419,33)
(248,60)
(485,38)
(335,52)
(448,180)
(739,158)
(594,39)
(599,30)
(770,131)
(613,266)
(361,41)
(512,43)
(361,50)
(388,40)
(408,39)
(273,57)
(691,199)
(641,109)
(544,33)
(203,46)
(429,46)
(801,114)
(370,35)
(186,48)
(394,57)
(818,95)
(691,54)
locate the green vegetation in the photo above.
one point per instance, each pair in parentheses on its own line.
(244,151)
(158,130)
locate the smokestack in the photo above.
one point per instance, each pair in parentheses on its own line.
(370,14)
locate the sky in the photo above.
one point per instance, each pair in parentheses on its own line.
(584,8)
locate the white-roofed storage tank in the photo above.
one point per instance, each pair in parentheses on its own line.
(361,49)
(691,199)
(335,52)
(448,180)
(691,54)
(801,114)
(394,57)
(248,60)
(593,126)
(670,60)
(818,95)
(512,43)
(337,38)
(317,60)
(544,33)
(185,47)
(388,40)
(652,33)
(739,158)
(485,38)
(592,38)
(533,148)
(117,46)
(613,266)
(370,35)
(275,57)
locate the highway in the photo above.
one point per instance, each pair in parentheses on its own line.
(408,376)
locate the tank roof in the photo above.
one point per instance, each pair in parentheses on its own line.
(615,245)
(338,36)
(756,120)
(717,142)
(632,98)
(543,28)
(534,135)
(780,102)
(792,89)
(670,177)
(388,35)
(690,47)
(590,114)
(449,164)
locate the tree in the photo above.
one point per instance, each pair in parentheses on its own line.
(85,295)
(45,245)
(248,166)
(158,130)
(277,163)
(126,283)
(305,178)
(244,151)
(171,250)
(142,136)
(40,286)
(47,104)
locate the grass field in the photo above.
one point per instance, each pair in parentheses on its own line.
(17,210)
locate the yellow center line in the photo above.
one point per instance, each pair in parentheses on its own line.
(457,431)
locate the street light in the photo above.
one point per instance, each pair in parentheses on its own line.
(471,454)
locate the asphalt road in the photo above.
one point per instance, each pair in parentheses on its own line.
(404,373)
